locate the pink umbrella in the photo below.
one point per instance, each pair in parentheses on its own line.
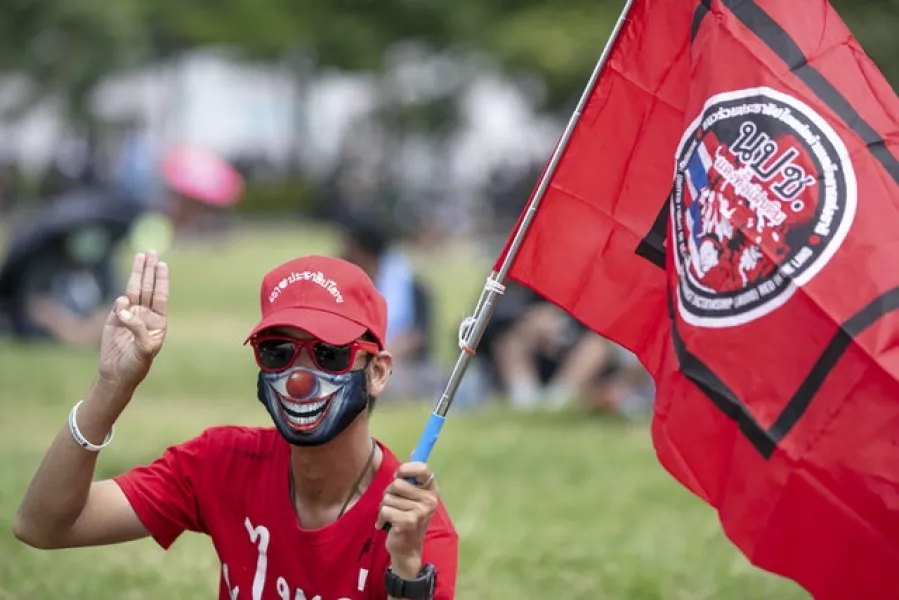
(202,176)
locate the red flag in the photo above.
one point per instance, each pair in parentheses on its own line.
(727,208)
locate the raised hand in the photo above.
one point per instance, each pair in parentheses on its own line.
(136,327)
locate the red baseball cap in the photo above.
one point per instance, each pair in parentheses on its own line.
(332,299)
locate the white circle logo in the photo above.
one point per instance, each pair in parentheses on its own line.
(764,194)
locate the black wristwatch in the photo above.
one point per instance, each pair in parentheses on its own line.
(412,589)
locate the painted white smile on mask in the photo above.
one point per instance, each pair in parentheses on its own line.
(304,398)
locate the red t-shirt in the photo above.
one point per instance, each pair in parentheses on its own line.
(232,484)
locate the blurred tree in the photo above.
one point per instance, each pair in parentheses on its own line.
(345,34)
(561,40)
(558,40)
(875,24)
(67,46)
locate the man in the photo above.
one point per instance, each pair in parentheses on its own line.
(295,511)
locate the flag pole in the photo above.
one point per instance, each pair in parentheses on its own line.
(472,328)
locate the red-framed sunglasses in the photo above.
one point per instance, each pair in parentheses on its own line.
(277,352)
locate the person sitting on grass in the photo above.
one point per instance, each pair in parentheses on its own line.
(298,510)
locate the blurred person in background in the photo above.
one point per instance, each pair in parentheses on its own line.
(629,392)
(184,191)
(367,242)
(200,186)
(59,271)
(541,357)
(58,275)
(137,166)
(182,182)
(73,167)
(294,511)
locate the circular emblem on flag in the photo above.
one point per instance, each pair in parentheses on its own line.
(764,194)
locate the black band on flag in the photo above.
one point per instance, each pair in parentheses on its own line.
(701,11)
(765,441)
(785,47)
(717,391)
(854,326)
(652,246)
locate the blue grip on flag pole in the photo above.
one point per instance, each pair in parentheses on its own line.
(428,438)
(425,445)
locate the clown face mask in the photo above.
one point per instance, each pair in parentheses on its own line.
(311,407)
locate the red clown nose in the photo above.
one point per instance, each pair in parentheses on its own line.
(301,384)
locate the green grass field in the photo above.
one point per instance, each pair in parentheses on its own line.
(560,507)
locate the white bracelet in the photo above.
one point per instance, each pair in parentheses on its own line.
(79,437)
